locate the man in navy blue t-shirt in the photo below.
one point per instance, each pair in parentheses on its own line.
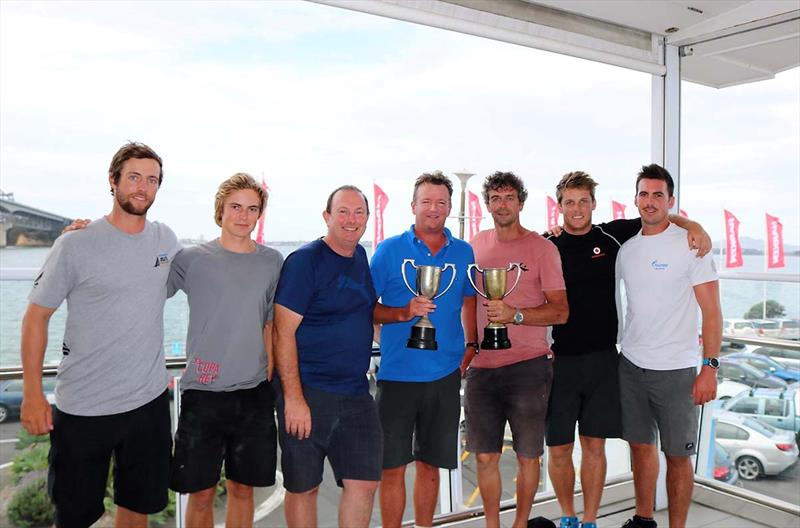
(323,342)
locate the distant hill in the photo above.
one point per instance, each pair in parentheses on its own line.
(755,246)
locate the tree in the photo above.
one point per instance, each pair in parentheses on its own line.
(774,309)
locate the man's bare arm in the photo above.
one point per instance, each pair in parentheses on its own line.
(707,295)
(470,323)
(36,414)
(697,236)
(416,307)
(554,311)
(268,348)
(297,415)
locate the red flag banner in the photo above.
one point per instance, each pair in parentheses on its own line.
(733,248)
(475,214)
(774,242)
(683,213)
(617,210)
(380,204)
(260,232)
(552,213)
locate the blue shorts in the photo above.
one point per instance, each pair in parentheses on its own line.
(344,428)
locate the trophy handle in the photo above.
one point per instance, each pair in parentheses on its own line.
(519,274)
(469,277)
(403,274)
(452,278)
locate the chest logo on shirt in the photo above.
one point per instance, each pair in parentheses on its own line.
(597,253)
(659,266)
(36,280)
(161,260)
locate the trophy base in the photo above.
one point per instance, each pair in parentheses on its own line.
(495,339)
(422,338)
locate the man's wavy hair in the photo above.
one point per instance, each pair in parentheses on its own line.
(504,180)
(575,180)
(238,182)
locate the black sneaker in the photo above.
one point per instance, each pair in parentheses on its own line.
(638,522)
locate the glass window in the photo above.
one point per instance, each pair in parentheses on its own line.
(760,427)
(726,431)
(746,406)
(776,407)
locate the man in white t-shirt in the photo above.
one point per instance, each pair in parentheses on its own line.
(659,385)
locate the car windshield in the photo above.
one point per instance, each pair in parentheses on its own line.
(760,427)
(752,371)
(778,352)
(769,325)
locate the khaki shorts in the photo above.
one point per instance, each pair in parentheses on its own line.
(659,401)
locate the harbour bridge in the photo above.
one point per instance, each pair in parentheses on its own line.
(21,225)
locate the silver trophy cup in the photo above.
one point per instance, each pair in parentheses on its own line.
(423,334)
(495,335)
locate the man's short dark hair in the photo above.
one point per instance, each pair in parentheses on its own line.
(655,172)
(504,180)
(575,180)
(434,178)
(133,149)
(345,188)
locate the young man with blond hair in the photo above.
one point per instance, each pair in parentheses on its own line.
(227,403)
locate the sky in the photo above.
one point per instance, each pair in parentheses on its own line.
(312,97)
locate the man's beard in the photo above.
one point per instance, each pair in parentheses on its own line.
(129,207)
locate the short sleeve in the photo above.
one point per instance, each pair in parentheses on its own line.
(296,286)
(469,291)
(56,278)
(623,230)
(177,273)
(377,269)
(550,273)
(702,269)
(277,263)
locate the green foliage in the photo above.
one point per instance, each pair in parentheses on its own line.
(25,439)
(31,506)
(30,459)
(774,309)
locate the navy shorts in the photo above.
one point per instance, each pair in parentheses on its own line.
(344,428)
(237,426)
(586,391)
(81,448)
(420,421)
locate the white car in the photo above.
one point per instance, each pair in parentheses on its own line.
(767,328)
(757,448)
(727,389)
(789,329)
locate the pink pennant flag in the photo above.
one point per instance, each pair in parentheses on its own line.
(733,247)
(260,232)
(475,214)
(774,242)
(617,210)
(381,199)
(552,213)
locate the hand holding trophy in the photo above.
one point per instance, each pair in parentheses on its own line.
(495,335)
(423,334)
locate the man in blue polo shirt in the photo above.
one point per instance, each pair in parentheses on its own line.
(418,390)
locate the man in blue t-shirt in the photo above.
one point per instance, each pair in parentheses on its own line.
(323,342)
(418,390)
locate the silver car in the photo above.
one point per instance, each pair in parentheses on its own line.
(757,448)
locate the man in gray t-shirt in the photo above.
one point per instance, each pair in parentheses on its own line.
(111,385)
(227,404)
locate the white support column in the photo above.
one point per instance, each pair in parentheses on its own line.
(666,150)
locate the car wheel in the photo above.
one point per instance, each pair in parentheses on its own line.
(3,413)
(749,468)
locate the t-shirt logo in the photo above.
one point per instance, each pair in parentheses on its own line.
(659,266)
(161,260)
(597,253)
(36,280)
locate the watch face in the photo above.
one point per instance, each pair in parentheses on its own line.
(713,363)
(518,317)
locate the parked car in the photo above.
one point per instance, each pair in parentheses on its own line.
(767,365)
(766,328)
(789,329)
(737,370)
(790,358)
(737,328)
(727,389)
(11,396)
(777,407)
(724,466)
(757,448)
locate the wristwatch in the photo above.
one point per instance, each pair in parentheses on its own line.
(518,317)
(711,362)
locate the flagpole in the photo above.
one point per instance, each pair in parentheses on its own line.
(766,269)
(463,176)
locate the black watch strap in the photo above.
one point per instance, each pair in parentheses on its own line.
(472,344)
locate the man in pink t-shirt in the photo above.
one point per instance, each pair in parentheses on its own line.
(513,385)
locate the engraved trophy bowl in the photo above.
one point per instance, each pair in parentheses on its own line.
(423,333)
(495,335)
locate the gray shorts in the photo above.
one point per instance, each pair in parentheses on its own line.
(659,401)
(516,394)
